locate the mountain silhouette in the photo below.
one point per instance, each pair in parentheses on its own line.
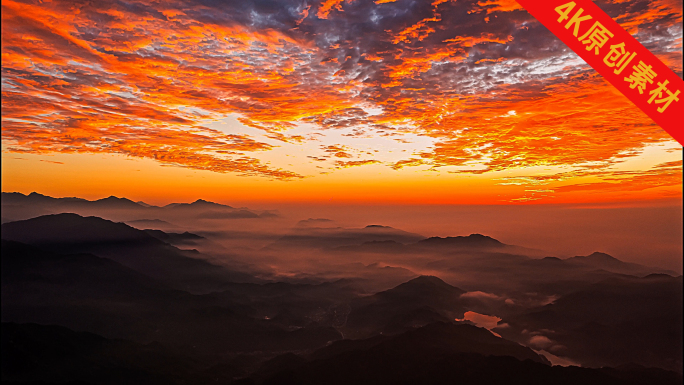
(595,325)
(136,249)
(453,338)
(444,353)
(198,204)
(24,263)
(385,311)
(153,300)
(174,238)
(67,228)
(598,260)
(17,206)
(40,354)
(113,202)
(79,291)
(89,293)
(34,198)
(470,241)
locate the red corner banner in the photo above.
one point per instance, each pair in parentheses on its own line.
(618,57)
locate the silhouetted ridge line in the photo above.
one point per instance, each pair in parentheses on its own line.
(428,280)
(173,237)
(596,256)
(200,203)
(133,248)
(472,240)
(117,200)
(70,228)
(109,202)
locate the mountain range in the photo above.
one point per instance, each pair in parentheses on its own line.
(17,206)
(96,301)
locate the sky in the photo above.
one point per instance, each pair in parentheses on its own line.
(402,102)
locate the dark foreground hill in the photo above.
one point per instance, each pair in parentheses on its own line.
(420,301)
(53,354)
(615,321)
(436,354)
(443,353)
(137,249)
(89,293)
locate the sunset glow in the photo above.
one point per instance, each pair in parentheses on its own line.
(367,192)
(470,102)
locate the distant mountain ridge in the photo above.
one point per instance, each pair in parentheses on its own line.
(485,248)
(431,244)
(18,206)
(34,197)
(594,258)
(15,197)
(198,203)
(373,238)
(470,241)
(599,260)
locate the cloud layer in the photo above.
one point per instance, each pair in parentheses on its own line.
(490,85)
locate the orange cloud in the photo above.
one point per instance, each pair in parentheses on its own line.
(353,163)
(418,31)
(327,6)
(499,5)
(146,81)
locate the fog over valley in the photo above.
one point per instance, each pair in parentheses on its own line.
(203,292)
